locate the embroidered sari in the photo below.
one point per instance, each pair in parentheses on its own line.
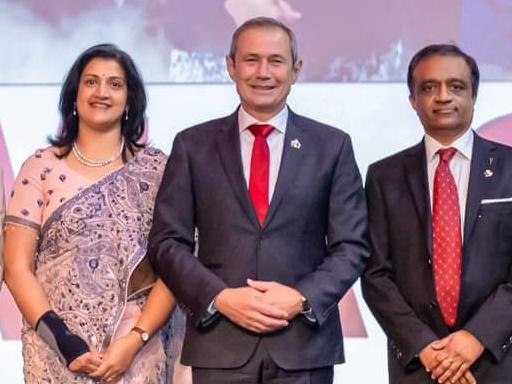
(90,260)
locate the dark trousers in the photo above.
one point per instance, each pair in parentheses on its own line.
(261,369)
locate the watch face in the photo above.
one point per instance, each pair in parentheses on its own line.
(144,336)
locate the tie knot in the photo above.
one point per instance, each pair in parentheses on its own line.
(445,155)
(261,130)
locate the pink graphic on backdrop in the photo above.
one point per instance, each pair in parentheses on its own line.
(10,318)
(351,319)
(498,129)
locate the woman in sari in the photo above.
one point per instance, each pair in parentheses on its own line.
(76,234)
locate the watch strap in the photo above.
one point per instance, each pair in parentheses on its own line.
(144,335)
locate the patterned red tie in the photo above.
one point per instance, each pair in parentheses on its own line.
(447,240)
(260,162)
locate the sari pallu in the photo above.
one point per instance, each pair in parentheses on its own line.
(88,251)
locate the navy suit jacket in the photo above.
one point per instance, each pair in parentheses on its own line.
(399,283)
(313,238)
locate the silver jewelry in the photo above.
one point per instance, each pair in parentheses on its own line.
(96,163)
(126,114)
(74,108)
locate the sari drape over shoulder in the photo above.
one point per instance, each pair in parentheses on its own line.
(90,262)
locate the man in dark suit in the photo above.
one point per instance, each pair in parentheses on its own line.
(440,218)
(276,202)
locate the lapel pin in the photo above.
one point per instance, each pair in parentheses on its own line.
(488,173)
(295,143)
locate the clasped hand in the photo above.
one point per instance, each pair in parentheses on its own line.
(449,359)
(261,306)
(110,366)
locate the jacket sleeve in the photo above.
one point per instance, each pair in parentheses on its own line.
(496,310)
(171,239)
(408,334)
(347,246)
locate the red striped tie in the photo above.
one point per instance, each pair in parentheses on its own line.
(260,163)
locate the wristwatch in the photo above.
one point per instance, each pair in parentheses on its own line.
(306,308)
(144,335)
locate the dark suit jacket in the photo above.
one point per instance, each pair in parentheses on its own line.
(313,239)
(399,284)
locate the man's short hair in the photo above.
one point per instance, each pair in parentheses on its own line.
(443,50)
(264,22)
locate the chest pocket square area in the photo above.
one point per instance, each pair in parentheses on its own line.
(497,201)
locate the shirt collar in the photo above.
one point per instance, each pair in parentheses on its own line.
(463,145)
(279,121)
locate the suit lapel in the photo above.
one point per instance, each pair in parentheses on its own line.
(290,162)
(416,174)
(228,143)
(479,185)
(483,162)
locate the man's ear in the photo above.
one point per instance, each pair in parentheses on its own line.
(297,67)
(412,100)
(230,65)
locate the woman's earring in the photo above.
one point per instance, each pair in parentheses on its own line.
(74,108)
(126,114)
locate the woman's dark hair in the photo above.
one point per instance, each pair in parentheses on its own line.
(132,129)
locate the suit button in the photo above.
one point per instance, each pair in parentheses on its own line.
(504,348)
(432,305)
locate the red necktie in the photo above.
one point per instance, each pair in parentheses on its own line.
(260,162)
(447,240)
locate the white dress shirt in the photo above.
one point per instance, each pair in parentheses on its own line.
(275,143)
(460,166)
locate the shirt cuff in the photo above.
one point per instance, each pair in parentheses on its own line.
(211,309)
(307,311)
(211,314)
(309,315)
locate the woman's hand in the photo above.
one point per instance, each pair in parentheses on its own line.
(86,363)
(118,358)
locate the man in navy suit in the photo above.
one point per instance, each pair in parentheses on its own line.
(275,203)
(440,218)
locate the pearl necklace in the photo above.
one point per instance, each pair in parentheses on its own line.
(96,163)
